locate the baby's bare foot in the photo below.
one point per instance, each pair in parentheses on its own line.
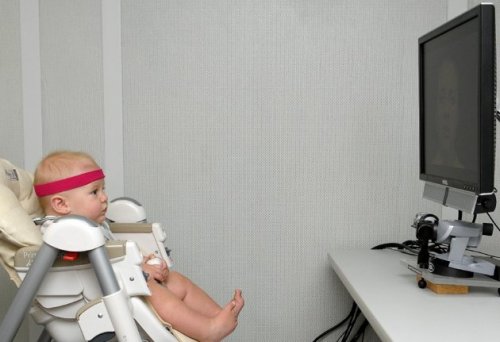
(227,320)
(239,302)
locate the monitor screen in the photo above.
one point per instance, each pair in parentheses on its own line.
(457,102)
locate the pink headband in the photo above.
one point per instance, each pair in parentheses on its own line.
(68,183)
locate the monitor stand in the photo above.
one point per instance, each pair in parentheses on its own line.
(451,197)
(466,201)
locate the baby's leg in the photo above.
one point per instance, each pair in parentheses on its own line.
(192,295)
(190,322)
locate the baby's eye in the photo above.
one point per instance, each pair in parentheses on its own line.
(94,192)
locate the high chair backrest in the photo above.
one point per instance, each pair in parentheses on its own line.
(18,205)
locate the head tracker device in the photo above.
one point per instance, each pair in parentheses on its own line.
(458,236)
(425,225)
(69,183)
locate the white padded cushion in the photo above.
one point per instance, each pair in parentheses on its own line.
(18,205)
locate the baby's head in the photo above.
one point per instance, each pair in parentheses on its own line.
(68,182)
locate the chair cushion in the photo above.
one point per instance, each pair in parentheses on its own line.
(18,205)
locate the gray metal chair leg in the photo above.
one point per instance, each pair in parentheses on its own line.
(26,293)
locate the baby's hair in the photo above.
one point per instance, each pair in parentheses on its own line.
(61,164)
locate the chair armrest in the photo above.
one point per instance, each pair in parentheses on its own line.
(151,237)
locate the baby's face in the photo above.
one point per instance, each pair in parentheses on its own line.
(90,201)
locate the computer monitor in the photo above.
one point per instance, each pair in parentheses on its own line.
(457,80)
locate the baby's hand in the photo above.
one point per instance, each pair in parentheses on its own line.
(154,261)
(156,267)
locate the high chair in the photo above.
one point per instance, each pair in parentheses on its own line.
(75,284)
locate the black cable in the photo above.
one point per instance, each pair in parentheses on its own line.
(411,243)
(438,248)
(389,245)
(412,246)
(400,246)
(347,332)
(493,221)
(336,326)
(351,326)
(343,337)
(361,331)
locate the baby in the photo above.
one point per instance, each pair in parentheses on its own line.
(68,182)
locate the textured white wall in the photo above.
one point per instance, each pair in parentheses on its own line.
(11,124)
(265,134)
(71,70)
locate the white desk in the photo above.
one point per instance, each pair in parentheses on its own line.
(398,310)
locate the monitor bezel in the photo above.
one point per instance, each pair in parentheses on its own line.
(487,96)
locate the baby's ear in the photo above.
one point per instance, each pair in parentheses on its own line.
(59,205)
